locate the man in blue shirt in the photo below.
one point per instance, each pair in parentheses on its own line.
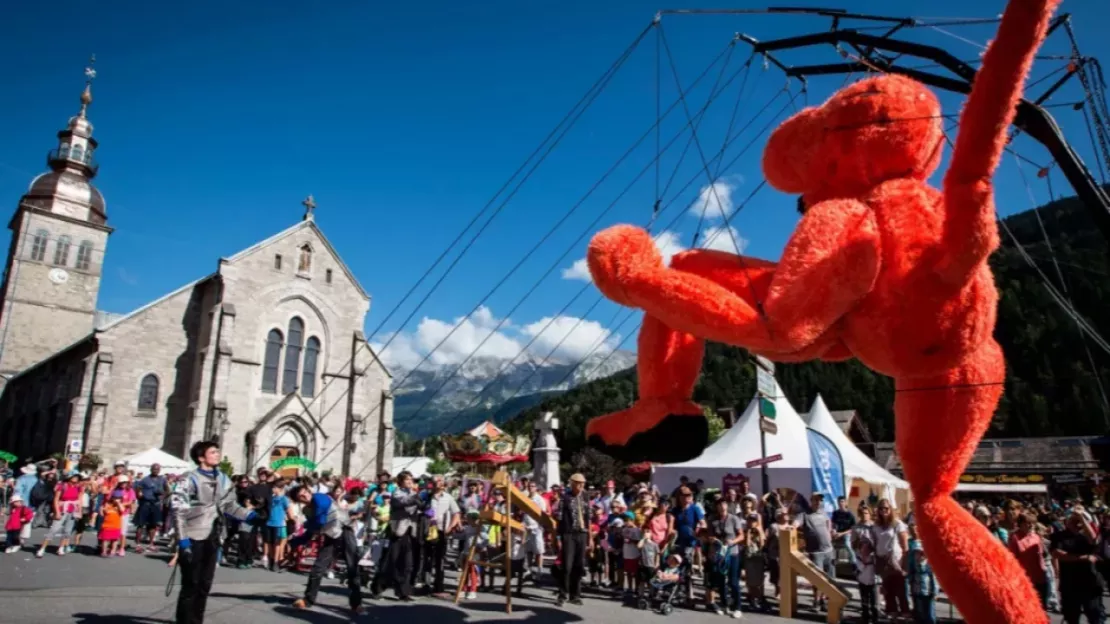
(152,490)
(688,520)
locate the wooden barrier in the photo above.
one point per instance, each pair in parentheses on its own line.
(508,525)
(793,564)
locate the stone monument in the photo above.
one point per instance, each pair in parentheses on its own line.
(545,452)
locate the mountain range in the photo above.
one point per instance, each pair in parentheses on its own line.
(429,401)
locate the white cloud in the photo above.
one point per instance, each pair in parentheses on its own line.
(715,200)
(571,337)
(667,242)
(723,239)
(578,271)
(405,350)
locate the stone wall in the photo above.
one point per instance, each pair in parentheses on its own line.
(41,316)
(161,340)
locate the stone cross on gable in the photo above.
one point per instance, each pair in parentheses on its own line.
(309,207)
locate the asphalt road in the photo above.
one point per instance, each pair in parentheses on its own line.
(132,590)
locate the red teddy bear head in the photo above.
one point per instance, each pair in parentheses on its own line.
(874,130)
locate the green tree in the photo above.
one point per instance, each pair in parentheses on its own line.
(716,424)
(439,466)
(1051,384)
(226,467)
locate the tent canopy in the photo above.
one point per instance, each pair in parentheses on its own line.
(857,465)
(141,462)
(741,444)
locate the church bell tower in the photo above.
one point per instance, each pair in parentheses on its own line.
(59,234)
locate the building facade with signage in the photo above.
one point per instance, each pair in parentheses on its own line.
(1060,466)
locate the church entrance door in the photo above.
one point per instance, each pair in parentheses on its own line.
(281,452)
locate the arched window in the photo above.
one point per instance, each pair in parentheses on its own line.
(61,252)
(311,355)
(304,262)
(272,362)
(77,153)
(84,255)
(148,393)
(292,355)
(38,245)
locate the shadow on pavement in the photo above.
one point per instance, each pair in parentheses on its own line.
(426,610)
(96,618)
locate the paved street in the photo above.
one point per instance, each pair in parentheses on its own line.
(131,590)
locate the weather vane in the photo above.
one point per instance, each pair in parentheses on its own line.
(90,72)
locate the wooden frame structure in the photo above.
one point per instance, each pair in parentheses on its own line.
(794,563)
(489,516)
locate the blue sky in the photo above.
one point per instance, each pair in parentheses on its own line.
(216,119)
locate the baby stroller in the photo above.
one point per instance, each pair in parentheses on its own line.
(305,556)
(660,592)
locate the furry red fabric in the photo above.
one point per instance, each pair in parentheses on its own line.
(882,268)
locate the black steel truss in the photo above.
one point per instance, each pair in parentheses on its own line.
(1031,118)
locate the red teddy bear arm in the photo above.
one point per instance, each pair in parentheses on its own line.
(970,229)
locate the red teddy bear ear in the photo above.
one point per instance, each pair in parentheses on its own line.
(789,150)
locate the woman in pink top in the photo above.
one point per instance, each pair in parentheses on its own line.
(67,509)
(659,527)
(126,500)
(1029,550)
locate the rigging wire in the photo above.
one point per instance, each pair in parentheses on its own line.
(552,140)
(632,312)
(691,121)
(1064,288)
(599,298)
(582,200)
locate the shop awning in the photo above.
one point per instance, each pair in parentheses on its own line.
(1015,488)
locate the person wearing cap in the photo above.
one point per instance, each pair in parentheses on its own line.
(202,498)
(28,478)
(575,537)
(151,489)
(1075,550)
(19,516)
(327,517)
(817,530)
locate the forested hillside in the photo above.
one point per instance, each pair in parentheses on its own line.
(1051,388)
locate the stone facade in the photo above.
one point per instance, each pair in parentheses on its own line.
(266,354)
(205,345)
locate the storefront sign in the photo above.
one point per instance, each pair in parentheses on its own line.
(294,462)
(731,481)
(1001,479)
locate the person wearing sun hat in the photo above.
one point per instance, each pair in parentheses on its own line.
(576,541)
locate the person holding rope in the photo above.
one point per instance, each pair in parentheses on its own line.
(326,516)
(200,502)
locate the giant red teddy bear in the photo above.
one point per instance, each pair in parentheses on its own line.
(881,267)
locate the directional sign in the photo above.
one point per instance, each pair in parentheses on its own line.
(763,460)
(765,364)
(768,426)
(767,408)
(764,382)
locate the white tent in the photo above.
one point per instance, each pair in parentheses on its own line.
(861,471)
(741,444)
(142,462)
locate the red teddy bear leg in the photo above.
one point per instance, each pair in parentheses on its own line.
(664,424)
(940,420)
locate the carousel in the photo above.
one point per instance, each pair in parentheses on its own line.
(485,448)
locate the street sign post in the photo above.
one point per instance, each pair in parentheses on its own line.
(768,426)
(765,383)
(763,461)
(765,364)
(767,408)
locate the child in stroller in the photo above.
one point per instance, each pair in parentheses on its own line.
(664,585)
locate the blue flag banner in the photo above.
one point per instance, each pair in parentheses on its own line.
(826,469)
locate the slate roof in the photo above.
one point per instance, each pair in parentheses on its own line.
(1049,454)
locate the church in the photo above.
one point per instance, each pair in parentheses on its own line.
(266,354)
